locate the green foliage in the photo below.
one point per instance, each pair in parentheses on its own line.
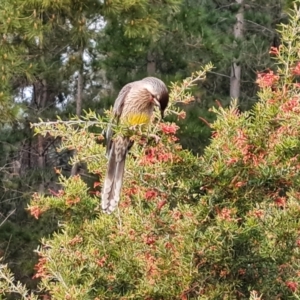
(7,279)
(222,225)
(200,32)
(75,206)
(142,17)
(42,44)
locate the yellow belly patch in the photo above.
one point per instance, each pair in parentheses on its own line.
(136,119)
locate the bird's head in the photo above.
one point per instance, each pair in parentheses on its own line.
(159,93)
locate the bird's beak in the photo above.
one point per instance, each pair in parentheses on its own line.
(156,102)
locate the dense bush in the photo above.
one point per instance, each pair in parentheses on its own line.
(221,226)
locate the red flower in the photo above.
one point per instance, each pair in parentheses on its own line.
(96,184)
(71,201)
(274,50)
(154,155)
(280,201)
(266,79)
(225,214)
(60,193)
(176,215)
(149,240)
(232,160)
(215,134)
(40,268)
(164,157)
(181,115)
(76,240)
(151,194)
(258,213)
(291,105)
(172,139)
(150,157)
(35,211)
(161,204)
(296,70)
(131,191)
(241,142)
(169,128)
(100,262)
(293,286)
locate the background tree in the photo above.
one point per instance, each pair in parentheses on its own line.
(47,59)
(225,224)
(200,32)
(53,54)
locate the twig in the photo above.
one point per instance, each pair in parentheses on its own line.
(7,217)
(69,123)
(258,25)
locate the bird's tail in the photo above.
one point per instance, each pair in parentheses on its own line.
(113,181)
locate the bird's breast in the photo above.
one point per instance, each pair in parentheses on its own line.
(136,118)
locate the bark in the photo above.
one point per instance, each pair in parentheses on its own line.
(42,101)
(40,98)
(78,102)
(151,64)
(79,87)
(235,76)
(41,160)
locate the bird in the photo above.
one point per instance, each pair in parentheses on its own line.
(133,106)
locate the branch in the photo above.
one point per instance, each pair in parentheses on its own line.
(68,123)
(7,217)
(258,25)
(179,92)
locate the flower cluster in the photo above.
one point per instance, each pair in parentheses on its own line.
(296,69)
(40,268)
(169,128)
(248,153)
(274,50)
(155,155)
(151,194)
(225,214)
(293,286)
(267,79)
(35,211)
(292,105)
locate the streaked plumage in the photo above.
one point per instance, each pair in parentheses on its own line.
(133,106)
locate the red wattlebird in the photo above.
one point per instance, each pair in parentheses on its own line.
(133,106)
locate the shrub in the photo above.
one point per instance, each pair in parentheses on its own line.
(221,226)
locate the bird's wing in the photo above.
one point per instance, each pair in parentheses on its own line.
(119,103)
(117,111)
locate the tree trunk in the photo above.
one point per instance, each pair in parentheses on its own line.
(151,64)
(41,160)
(78,101)
(235,76)
(79,86)
(42,101)
(40,97)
